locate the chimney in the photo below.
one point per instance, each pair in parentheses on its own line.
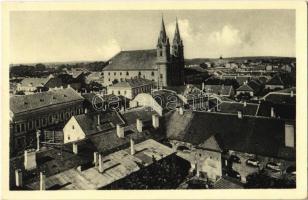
(203,86)
(100,163)
(132,147)
(38,140)
(245,103)
(289,135)
(75,148)
(120,131)
(139,125)
(155,120)
(86,110)
(61,87)
(95,159)
(68,86)
(197,170)
(18,177)
(240,114)
(292,93)
(272,112)
(181,111)
(42,181)
(98,119)
(30,159)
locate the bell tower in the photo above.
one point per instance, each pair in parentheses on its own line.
(177,57)
(163,56)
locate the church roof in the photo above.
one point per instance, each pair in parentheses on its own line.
(133,60)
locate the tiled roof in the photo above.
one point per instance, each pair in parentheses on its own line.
(89,122)
(276,80)
(283,111)
(280,98)
(218,89)
(108,97)
(34,82)
(245,87)
(227,183)
(262,136)
(234,107)
(133,60)
(132,83)
(143,113)
(29,102)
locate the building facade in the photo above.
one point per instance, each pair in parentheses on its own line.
(30,113)
(164,65)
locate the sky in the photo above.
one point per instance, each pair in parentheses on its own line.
(59,36)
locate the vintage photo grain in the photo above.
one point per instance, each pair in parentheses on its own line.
(152,99)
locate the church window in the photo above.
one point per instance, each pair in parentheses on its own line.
(152,73)
(17,128)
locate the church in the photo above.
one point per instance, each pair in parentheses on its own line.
(163,65)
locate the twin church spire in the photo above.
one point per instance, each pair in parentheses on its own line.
(163,38)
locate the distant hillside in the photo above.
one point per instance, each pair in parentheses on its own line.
(197,61)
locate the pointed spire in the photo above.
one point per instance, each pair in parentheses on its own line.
(177,37)
(162,36)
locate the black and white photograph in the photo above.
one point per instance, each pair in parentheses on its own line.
(153,99)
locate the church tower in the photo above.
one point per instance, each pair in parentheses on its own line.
(177,57)
(163,56)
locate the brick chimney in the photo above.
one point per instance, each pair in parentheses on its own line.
(100,163)
(120,131)
(181,111)
(155,121)
(132,147)
(18,177)
(42,181)
(272,112)
(75,148)
(98,119)
(38,133)
(95,158)
(240,114)
(30,159)
(139,125)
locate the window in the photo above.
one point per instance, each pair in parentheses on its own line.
(37,123)
(30,124)
(120,73)
(152,73)
(109,79)
(17,128)
(112,92)
(161,53)
(119,92)
(109,73)
(62,116)
(44,121)
(125,92)
(50,118)
(161,75)
(22,127)
(68,137)
(114,73)
(127,73)
(139,74)
(73,127)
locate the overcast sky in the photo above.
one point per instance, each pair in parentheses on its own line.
(53,36)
